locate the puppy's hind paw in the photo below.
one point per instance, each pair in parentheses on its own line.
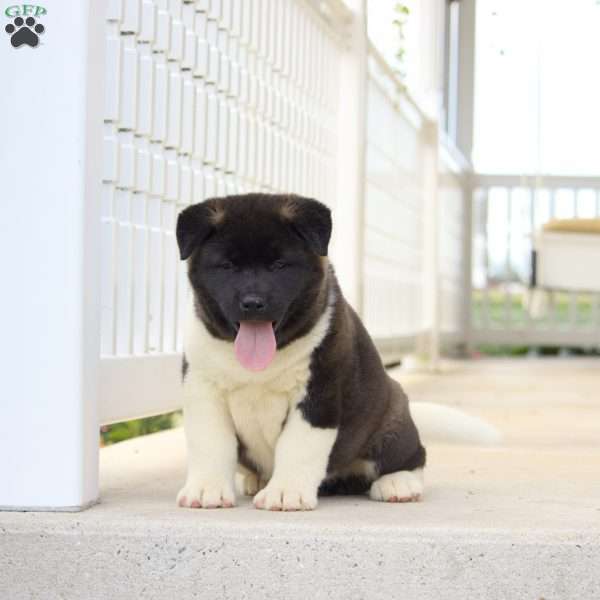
(401,486)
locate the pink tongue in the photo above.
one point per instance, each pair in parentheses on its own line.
(255,344)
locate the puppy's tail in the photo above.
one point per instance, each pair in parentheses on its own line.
(438,423)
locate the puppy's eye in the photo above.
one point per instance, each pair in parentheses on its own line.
(226,265)
(278,264)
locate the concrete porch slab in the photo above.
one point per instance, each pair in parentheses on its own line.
(521,520)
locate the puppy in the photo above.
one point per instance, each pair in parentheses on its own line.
(281,379)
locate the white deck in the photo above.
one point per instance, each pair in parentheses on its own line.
(518,521)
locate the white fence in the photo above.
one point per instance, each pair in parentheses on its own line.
(507,211)
(394,210)
(207,99)
(202,98)
(414,245)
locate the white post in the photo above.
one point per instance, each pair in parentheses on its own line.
(466,77)
(466,336)
(50,157)
(432,283)
(465,133)
(351,128)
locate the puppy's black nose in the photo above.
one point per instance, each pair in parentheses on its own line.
(252,303)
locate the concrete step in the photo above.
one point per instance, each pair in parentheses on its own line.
(521,520)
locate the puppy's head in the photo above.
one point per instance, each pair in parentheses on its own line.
(256,265)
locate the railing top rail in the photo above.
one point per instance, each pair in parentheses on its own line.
(397,85)
(540,181)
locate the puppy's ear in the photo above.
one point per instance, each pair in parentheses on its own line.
(195,224)
(312,222)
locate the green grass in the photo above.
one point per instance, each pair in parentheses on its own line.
(510,311)
(496,350)
(118,432)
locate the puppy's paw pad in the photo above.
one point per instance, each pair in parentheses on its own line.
(401,486)
(287,498)
(206,495)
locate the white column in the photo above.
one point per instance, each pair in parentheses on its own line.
(465,137)
(467,306)
(431,275)
(351,128)
(50,160)
(466,77)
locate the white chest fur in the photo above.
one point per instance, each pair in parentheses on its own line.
(258,403)
(259,413)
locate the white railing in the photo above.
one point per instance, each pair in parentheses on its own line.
(414,249)
(201,98)
(507,212)
(394,209)
(252,106)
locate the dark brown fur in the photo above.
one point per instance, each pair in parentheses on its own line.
(350,389)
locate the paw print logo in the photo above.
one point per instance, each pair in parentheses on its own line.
(24,32)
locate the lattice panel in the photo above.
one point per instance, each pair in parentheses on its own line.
(393,264)
(203,98)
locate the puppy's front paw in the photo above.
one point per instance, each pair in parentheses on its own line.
(206,494)
(286,497)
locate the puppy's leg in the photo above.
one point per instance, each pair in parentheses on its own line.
(398,456)
(301,458)
(211,446)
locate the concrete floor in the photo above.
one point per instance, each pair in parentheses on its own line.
(520,520)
